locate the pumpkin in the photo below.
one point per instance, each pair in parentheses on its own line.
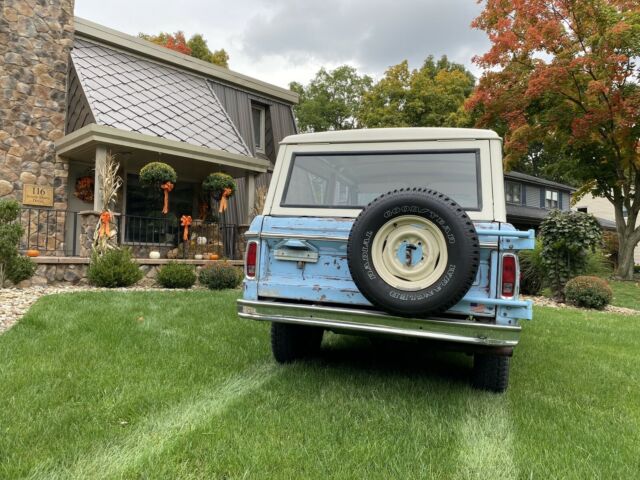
(213,256)
(33,253)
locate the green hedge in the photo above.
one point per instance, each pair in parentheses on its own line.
(588,292)
(220,276)
(176,275)
(114,268)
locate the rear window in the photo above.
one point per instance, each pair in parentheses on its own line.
(352,180)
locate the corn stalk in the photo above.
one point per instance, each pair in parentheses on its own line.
(110,183)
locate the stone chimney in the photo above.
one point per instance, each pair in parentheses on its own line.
(35,40)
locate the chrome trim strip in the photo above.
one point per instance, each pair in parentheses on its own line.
(302,236)
(457,331)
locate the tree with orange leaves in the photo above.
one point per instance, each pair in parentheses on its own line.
(561,75)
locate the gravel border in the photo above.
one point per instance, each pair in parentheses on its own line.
(548,302)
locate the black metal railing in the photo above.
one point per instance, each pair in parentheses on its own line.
(50,231)
(143,233)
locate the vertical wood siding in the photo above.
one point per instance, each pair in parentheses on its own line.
(533,196)
(78,111)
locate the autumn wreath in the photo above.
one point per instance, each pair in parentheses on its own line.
(84,189)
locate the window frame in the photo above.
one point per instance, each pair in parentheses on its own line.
(557,200)
(506,192)
(262,133)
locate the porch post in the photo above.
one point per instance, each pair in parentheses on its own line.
(250,192)
(101,159)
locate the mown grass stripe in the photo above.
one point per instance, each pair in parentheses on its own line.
(156,433)
(486,446)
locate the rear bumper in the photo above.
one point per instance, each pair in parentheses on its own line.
(367,321)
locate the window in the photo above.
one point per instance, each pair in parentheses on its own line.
(551,199)
(258,120)
(346,180)
(583,209)
(513,192)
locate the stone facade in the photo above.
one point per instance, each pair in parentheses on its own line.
(35,41)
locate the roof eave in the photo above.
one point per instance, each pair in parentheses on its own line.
(100,134)
(90,30)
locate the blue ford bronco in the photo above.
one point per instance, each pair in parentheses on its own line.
(389,232)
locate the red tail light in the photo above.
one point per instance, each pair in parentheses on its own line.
(251,260)
(508,275)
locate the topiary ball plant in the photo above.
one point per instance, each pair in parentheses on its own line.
(155,174)
(588,292)
(216,183)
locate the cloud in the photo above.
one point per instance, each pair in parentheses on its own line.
(373,34)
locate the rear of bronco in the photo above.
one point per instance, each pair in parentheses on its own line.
(389,232)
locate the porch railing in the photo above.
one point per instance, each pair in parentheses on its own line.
(143,234)
(52,232)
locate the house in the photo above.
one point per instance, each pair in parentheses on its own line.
(76,91)
(529,199)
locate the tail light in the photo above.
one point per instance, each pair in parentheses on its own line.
(251,259)
(509,275)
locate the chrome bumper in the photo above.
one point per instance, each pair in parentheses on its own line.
(346,319)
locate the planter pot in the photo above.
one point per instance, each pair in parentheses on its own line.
(154,254)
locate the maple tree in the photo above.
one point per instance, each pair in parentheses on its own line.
(196,46)
(561,75)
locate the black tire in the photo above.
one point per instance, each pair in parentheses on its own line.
(490,372)
(291,342)
(463,252)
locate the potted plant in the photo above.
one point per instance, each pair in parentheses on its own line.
(159,175)
(220,186)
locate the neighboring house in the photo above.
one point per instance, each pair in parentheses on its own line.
(529,199)
(603,210)
(81,90)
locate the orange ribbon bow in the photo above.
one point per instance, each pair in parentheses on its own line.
(185,221)
(105,220)
(167,187)
(223,200)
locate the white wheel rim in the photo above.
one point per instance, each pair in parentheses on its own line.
(409,253)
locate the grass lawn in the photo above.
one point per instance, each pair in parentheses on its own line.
(626,294)
(173,385)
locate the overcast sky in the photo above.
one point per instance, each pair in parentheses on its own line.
(283,40)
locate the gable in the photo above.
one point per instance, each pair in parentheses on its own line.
(131,93)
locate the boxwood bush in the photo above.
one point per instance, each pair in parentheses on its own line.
(220,275)
(114,268)
(588,292)
(176,275)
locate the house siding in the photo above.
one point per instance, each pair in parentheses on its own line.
(566,201)
(532,196)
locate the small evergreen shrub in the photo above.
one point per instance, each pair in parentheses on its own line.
(532,272)
(219,276)
(588,292)
(156,173)
(176,275)
(13,267)
(114,268)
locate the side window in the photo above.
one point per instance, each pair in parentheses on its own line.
(258,114)
(513,192)
(551,199)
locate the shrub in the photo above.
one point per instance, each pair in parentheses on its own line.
(156,173)
(598,264)
(114,268)
(532,270)
(216,183)
(176,275)
(588,292)
(220,275)
(12,266)
(566,238)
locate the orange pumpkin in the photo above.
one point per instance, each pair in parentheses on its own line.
(213,256)
(33,253)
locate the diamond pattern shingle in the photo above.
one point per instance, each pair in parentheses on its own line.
(138,95)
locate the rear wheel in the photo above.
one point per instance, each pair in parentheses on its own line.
(291,342)
(490,372)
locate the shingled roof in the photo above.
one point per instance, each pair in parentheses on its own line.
(131,93)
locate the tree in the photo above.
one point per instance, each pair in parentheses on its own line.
(331,100)
(196,46)
(431,96)
(562,74)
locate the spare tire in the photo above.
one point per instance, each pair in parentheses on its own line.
(413,252)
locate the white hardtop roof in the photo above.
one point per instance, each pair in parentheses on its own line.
(392,135)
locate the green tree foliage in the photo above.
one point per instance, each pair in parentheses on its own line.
(431,96)
(331,100)
(13,267)
(196,46)
(567,238)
